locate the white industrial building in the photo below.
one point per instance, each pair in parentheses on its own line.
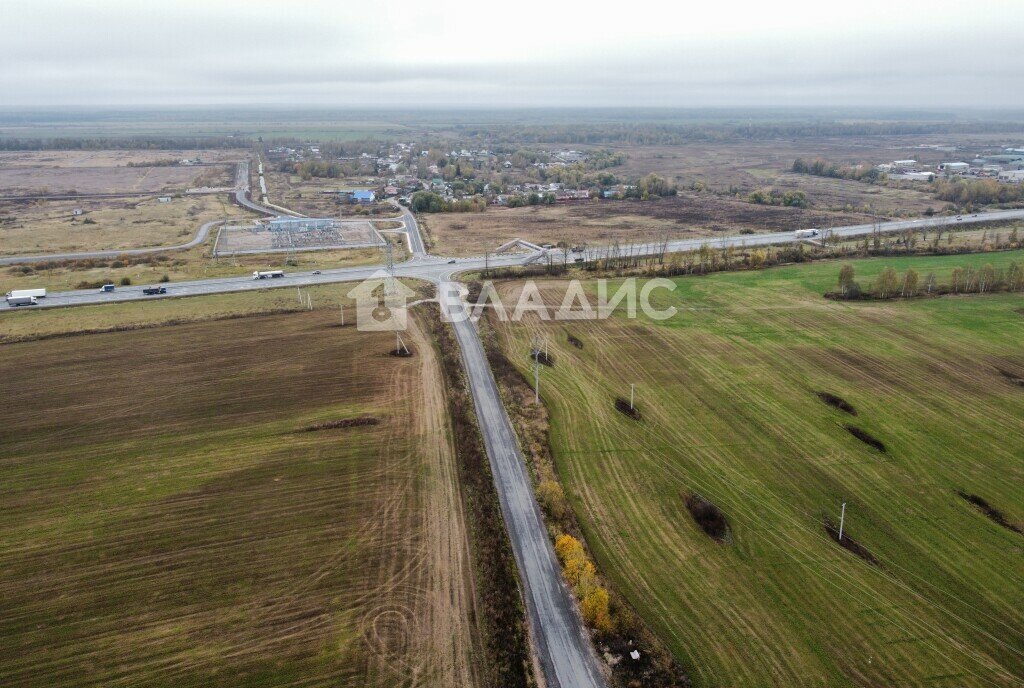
(914,177)
(1012,176)
(954,168)
(904,164)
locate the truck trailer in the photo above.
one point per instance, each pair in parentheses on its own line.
(805,233)
(38,293)
(267,274)
(21,301)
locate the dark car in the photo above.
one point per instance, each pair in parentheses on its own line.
(151,291)
(451,262)
(316,272)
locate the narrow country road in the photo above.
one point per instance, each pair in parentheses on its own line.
(563,646)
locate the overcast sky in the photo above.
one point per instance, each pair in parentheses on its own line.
(901,53)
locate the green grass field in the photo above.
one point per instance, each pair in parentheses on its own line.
(167,519)
(727,391)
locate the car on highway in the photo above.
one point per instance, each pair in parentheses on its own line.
(107,287)
(451,262)
(151,291)
(316,272)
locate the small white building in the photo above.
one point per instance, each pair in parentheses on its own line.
(77,211)
(1012,176)
(164,199)
(904,164)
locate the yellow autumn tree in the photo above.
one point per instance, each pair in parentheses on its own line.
(568,548)
(595,609)
(578,570)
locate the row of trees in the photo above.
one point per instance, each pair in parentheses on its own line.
(823,168)
(962,192)
(430,202)
(125,143)
(653,133)
(790,199)
(519,201)
(970,280)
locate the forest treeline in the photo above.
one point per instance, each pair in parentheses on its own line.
(662,134)
(125,143)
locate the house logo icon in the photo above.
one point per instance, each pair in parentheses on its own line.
(381,303)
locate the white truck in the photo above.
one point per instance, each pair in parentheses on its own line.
(265,274)
(38,293)
(805,233)
(21,301)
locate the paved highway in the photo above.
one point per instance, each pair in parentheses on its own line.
(433,268)
(563,647)
(242,191)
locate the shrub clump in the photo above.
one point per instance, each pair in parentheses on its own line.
(837,402)
(849,543)
(993,513)
(709,517)
(623,407)
(552,499)
(342,423)
(867,438)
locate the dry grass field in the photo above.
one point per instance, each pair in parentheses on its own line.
(29,227)
(729,409)
(85,172)
(688,215)
(170,518)
(723,165)
(113,158)
(314,197)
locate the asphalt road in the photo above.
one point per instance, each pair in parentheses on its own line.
(563,647)
(242,191)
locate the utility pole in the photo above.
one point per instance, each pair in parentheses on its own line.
(343,315)
(842,519)
(536,383)
(632,390)
(309,298)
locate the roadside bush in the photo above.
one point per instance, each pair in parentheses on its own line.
(126,281)
(595,610)
(581,575)
(165,277)
(552,499)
